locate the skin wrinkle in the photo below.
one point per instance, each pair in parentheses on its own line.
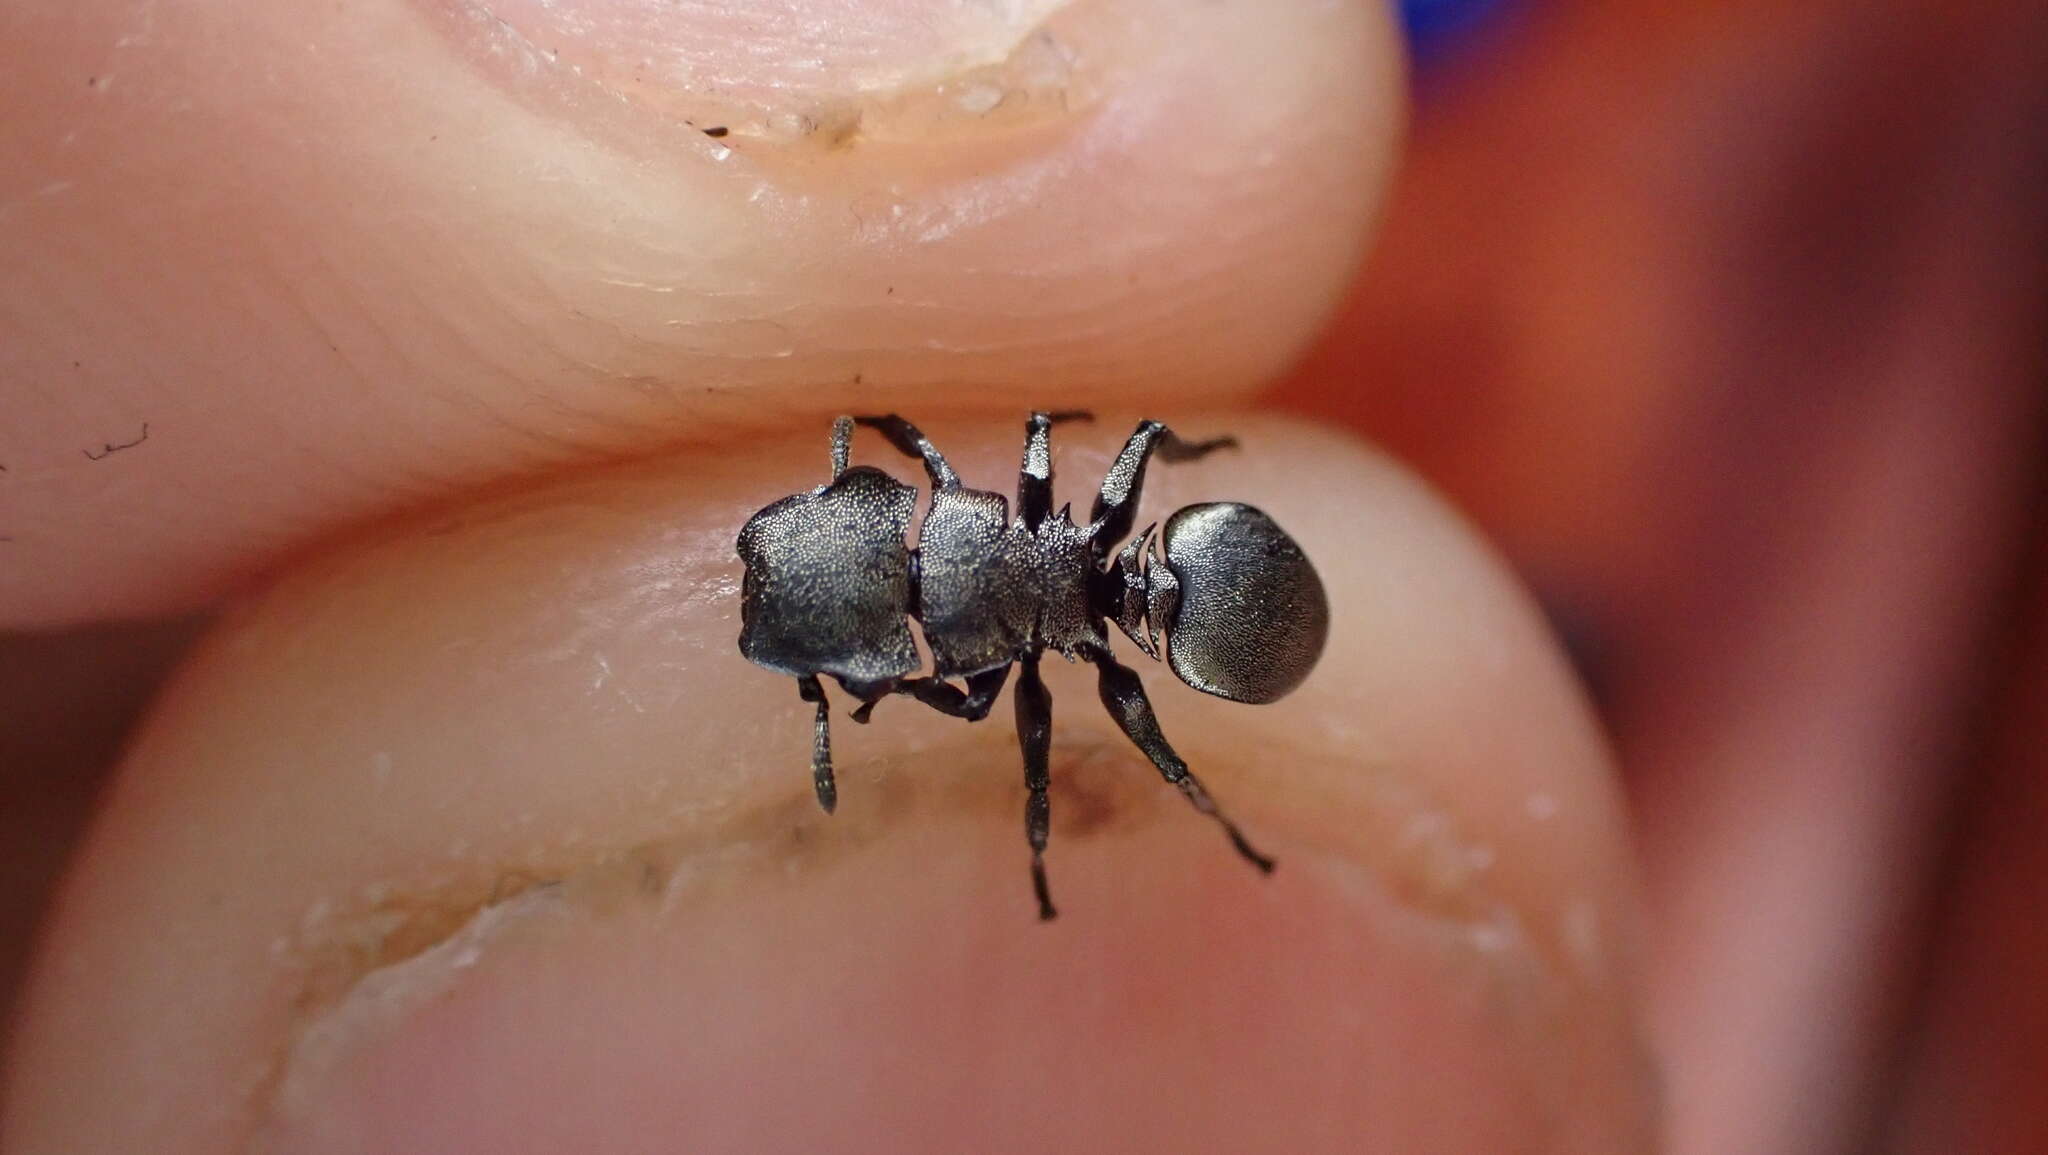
(362,970)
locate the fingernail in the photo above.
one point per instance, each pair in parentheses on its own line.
(822,71)
(905,996)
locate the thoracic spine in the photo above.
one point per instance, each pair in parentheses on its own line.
(1147,593)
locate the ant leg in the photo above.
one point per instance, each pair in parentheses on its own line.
(1116,507)
(911,443)
(944,697)
(868,703)
(842,442)
(1124,695)
(809,690)
(1034,477)
(1034,734)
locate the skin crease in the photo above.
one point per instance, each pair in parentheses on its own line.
(544,689)
(345,258)
(465,276)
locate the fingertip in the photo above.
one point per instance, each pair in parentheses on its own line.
(511,251)
(475,834)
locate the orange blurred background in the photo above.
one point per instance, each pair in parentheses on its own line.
(1726,321)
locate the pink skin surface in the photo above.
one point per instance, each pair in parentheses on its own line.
(346,259)
(498,786)
(1198,1010)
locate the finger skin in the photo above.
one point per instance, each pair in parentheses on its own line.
(478,834)
(344,258)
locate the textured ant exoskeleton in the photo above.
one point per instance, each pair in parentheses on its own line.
(831,584)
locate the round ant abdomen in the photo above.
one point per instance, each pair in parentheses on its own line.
(1252,617)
